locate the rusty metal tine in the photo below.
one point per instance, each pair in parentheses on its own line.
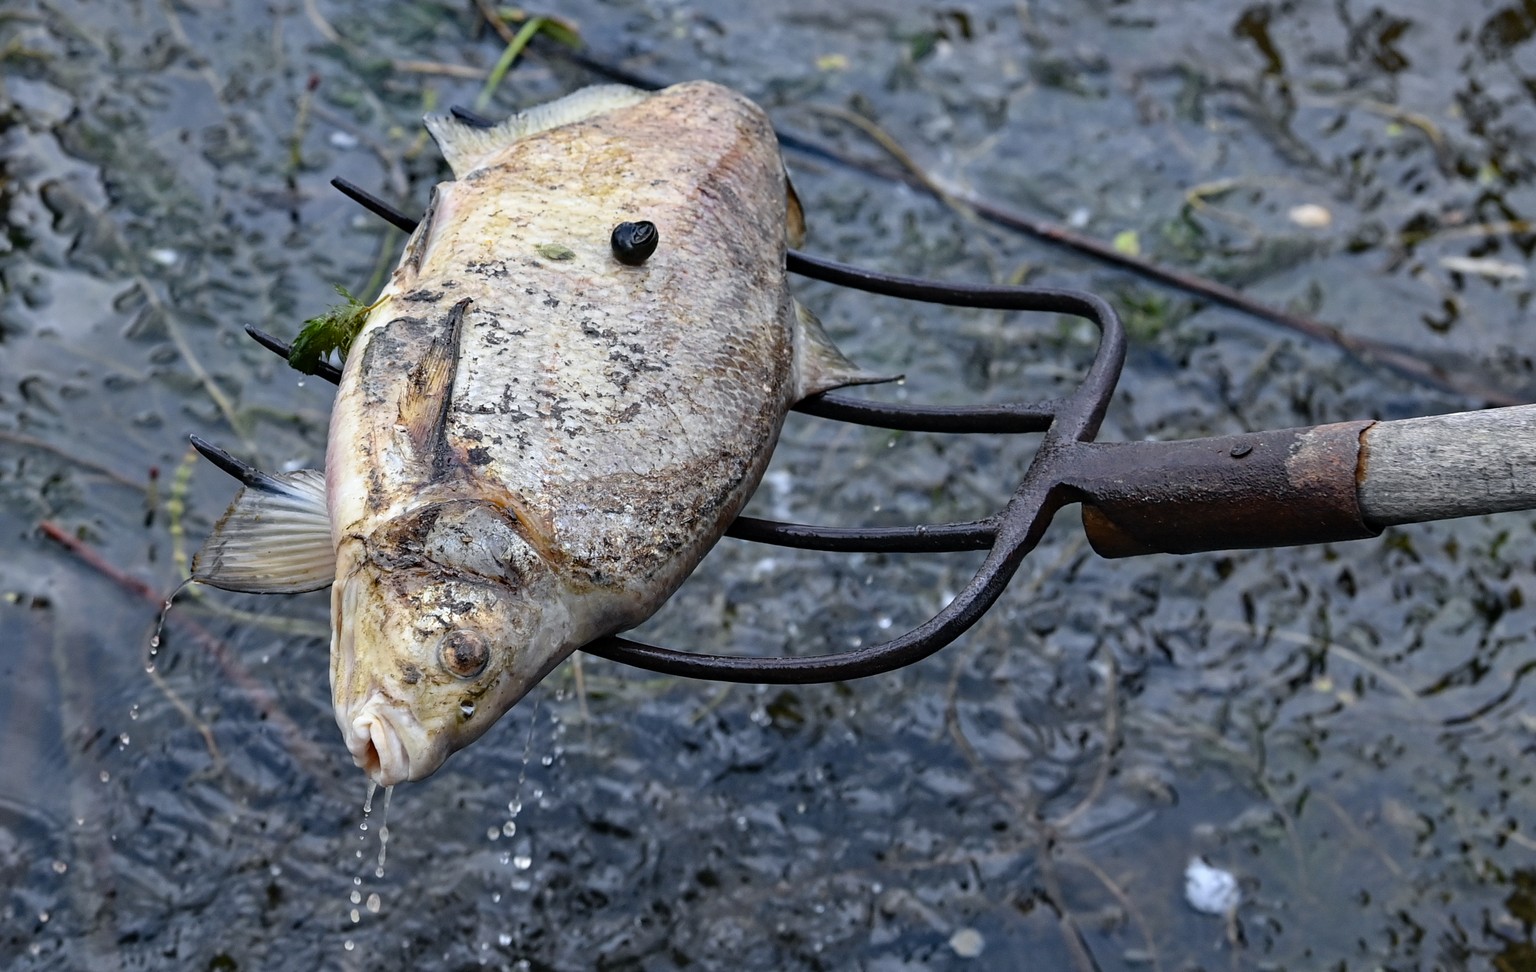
(375,205)
(323,369)
(247,474)
(961,419)
(924,538)
(1041,493)
(471,118)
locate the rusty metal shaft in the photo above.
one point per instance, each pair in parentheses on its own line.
(1294,486)
(1258,489)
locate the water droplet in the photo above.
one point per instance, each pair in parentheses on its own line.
(348,945)
(515,807)
(59,867)
(42,916)
(504,939)
(357,897)
(105,776)
(374,903)
(356,917)
(493,833)
(509,828)
(547,760)
(122,740)
(522,862)
(133,711)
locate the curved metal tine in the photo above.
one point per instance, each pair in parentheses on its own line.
(282,349)
(470,117)
(925,538)
(248,474)
(375,205)
(1019,528)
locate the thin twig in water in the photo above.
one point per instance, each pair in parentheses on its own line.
(1333,648)
(495,20)
(439,67)
(176,509)
(260,696)
(194,364)
(323,26)
(21,439)
(1111,744)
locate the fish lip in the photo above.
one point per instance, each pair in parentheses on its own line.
(387,742)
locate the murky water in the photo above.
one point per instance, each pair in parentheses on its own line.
(1348,729)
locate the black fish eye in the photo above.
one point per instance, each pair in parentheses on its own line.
(633,243)
(464,654)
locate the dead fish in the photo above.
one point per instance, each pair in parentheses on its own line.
(571,385)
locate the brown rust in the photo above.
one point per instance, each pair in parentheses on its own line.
(1238,492)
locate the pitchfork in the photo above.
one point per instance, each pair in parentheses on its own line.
(1325,483)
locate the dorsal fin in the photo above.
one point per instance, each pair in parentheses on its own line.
(467,147)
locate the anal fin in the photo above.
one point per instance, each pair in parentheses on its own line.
(819,365)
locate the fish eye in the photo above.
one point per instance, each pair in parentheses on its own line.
(633,243)
(464,654)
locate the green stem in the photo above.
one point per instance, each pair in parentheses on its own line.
(508,57)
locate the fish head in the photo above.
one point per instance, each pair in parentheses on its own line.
(443,618)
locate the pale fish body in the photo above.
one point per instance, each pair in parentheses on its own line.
(533,444)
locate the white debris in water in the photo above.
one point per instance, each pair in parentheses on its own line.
(1483,267)
(967,942)
(1210,890)
(343,140)
(1079,217)
(165,256)
(1310,215)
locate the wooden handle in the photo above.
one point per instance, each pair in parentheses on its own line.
(1444,466)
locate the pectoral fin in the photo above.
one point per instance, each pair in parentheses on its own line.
(429,391)
(276,536)
(819,365)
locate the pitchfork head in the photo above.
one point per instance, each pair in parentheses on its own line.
(1067,424)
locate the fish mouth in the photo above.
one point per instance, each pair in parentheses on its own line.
(379,737)
(386,739)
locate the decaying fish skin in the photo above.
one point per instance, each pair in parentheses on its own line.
(534,443)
